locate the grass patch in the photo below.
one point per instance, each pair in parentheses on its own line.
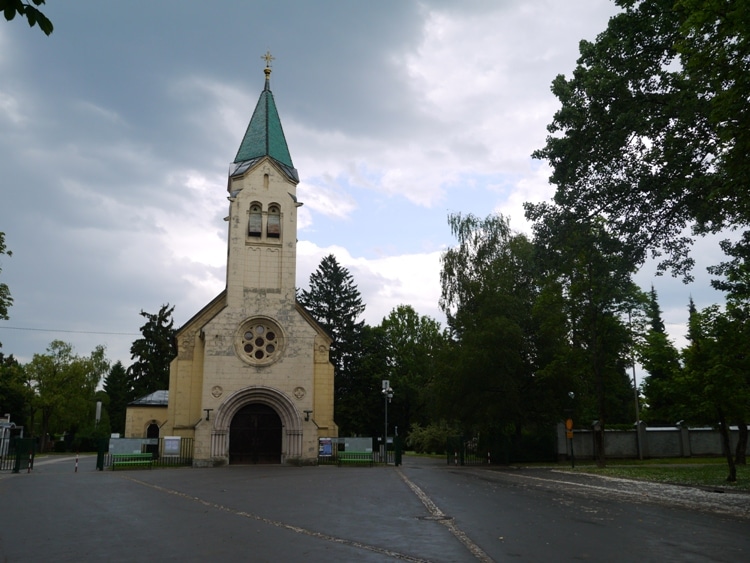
(708,473)
(658,461)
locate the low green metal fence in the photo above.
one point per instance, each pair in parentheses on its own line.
(330,448)
(169,453)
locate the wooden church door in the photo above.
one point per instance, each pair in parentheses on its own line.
(255,435)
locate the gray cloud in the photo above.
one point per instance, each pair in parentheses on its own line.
(116,133)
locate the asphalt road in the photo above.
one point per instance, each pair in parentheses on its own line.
(422,511)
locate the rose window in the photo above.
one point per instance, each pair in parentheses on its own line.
(260,341)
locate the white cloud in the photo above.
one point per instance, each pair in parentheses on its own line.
(531,188)
(326,197)
(100,112)
(10,109)
(384,283)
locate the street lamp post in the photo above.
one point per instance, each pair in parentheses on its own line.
(569,429)
(387,392)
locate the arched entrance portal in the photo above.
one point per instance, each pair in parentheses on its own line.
(255,435)
(280,403)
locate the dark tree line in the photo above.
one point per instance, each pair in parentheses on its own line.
(651,142)
(520,340)
(403,349)
(57,391)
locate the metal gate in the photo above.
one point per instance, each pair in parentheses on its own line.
(18,455)
(484,450)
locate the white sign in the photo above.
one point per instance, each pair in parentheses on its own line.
(171,445)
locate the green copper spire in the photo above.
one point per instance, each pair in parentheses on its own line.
(264,135)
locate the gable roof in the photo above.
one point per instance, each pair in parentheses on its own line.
(264,136)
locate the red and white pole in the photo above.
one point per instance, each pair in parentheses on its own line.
(489,461)
(455,458)
(76,470)
(31,460)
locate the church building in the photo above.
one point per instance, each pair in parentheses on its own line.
(252,381)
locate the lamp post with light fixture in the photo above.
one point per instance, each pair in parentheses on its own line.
(387,392)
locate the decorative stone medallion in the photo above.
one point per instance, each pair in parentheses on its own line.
(217,391)
(299,392)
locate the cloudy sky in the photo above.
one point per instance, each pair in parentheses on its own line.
(116,133)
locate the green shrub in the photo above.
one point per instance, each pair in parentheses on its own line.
(430,439)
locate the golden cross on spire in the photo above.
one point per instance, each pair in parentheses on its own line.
(268,58)
(267,71)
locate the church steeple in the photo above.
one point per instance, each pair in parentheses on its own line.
(264,135)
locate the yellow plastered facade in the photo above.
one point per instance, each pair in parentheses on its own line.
(139,418)
(212,378)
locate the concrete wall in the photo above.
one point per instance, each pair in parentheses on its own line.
(654,442)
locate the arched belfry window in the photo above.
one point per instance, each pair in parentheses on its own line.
(255,224)
(273,229)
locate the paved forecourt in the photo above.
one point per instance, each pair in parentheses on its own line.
(249,513)
(423,511)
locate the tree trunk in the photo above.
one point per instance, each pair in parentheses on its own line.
(32,416)
(601,459)
(724,430)
(46,417)
(740,454)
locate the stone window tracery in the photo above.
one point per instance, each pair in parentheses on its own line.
(260,341)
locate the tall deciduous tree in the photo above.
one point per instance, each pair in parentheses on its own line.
(594,275)
(413,344)
(488,293)
(734,273)
(5,299)
(736,284)
(653,132)
(716,386)
(33,15)
(14,396)
(63,385)
(153,353)
(358,401)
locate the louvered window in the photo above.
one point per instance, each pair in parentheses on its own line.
(273,229)
(255,225)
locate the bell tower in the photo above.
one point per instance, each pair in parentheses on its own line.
(261,264)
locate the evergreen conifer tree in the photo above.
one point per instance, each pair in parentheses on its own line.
(118,387)
(661,360)
(153,353)
(335,302)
